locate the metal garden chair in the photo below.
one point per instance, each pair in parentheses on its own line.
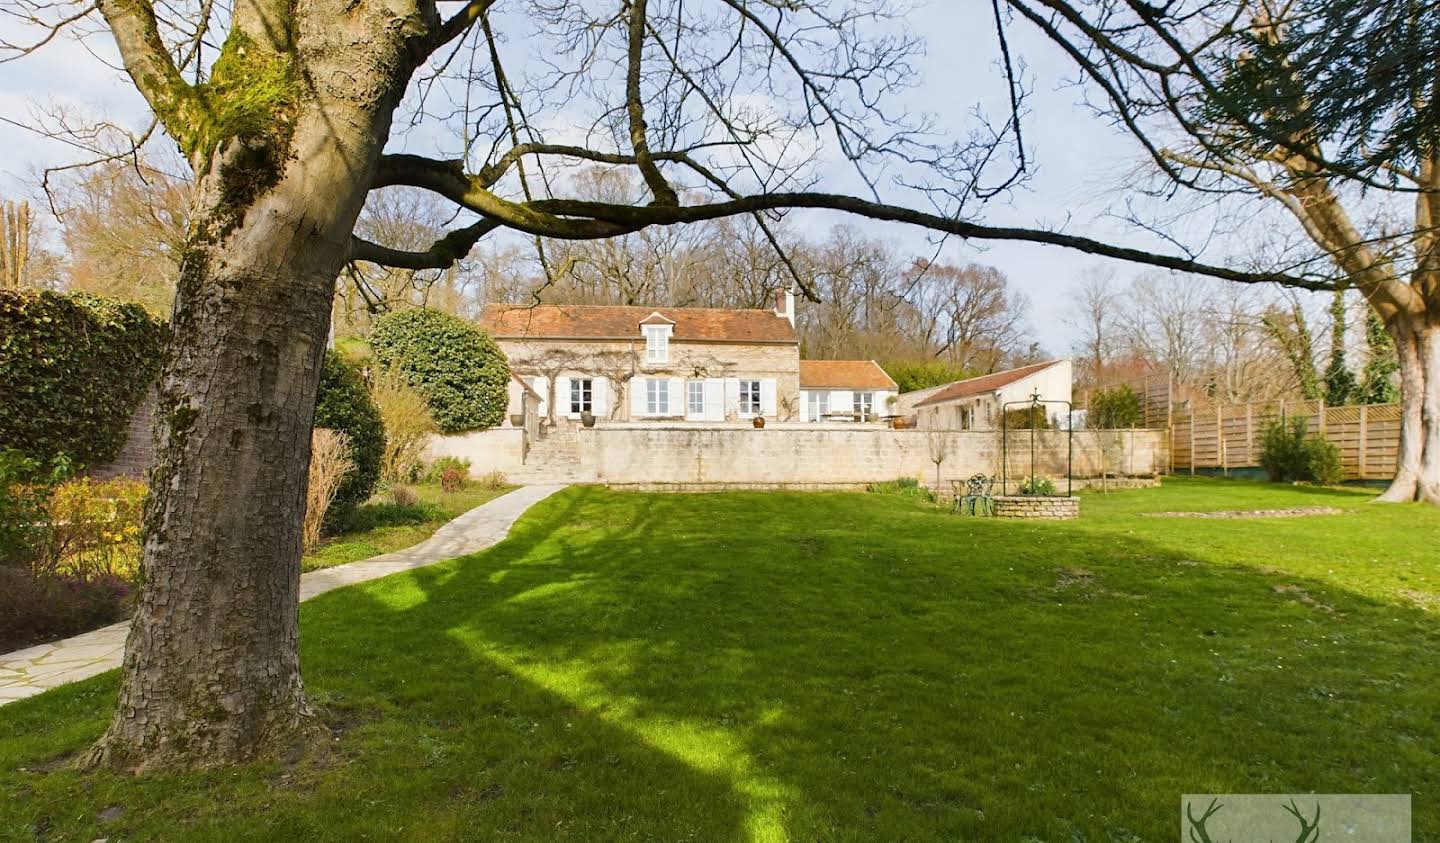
(978,497)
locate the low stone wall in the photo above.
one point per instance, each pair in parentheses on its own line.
(1034,506)
(790,455)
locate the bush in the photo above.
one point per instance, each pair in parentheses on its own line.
(912,375)
(1289,452)
(92,530)
(492,480)
(905,487)
(408,426)
(1322,461)
(1114,409)
(1024,418)
(330,462)
(25,488)
(453,480)
(36,608)
(344,404)
(441,464)
(1282,449)
(457,367)
(73,369)
(1039,486)
(401,495)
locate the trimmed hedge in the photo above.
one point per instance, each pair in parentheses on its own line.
(344,404)
(457,367)
(73,368)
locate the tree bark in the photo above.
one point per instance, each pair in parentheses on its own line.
(1417,349)
(211,674)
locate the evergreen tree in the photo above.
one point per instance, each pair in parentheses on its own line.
(1339,380)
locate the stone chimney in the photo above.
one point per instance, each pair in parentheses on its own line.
(785,305)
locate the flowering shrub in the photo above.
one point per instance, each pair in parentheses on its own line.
(93,530)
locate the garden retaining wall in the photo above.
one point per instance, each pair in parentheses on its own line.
(1023,506)
(789,455)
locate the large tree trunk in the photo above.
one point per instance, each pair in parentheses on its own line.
(1417,349)
(211,673)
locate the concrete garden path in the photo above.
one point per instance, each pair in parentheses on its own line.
(27,672)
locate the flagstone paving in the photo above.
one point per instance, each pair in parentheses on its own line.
(25,673)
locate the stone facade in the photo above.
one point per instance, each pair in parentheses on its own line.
(617,368)
(1034,506)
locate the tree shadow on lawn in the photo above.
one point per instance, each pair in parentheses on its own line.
(815,666)
(855,671)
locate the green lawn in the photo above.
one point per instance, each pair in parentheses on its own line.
(771,666)
(380,526)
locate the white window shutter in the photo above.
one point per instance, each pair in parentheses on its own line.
(841,401)
(600,397)
(537,383)
(767,397)
(637,397)
(562,396)
(714,399)
(732,396)
(677,397)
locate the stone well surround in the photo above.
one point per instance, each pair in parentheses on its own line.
(1036,506)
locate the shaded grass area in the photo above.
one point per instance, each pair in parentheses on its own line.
(770,666)
(380,526)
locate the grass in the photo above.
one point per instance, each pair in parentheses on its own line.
(772,666)
(380,526)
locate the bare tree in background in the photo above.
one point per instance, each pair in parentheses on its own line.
(1322,111)
(24,261)
(124,225)
(1094,316)
(974,318)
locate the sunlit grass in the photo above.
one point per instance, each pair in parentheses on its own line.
(766,666)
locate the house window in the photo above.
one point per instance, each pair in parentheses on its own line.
(695,398)
(582,395)
(750,397)
(817,406)
(864,406)
(657,397)
(657,343)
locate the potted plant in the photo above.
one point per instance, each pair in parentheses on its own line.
(587,418)
(758,422)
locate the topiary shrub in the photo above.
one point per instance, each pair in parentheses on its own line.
(344,404)
(73,368)
(457,367)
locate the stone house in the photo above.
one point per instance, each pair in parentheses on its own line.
(975,403)
(845,390)
(623,363)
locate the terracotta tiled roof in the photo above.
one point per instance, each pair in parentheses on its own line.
(985,383)
(843,374)
(603,322)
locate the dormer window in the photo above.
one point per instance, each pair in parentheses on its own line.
(657,343)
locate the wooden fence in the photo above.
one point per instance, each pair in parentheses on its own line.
(1225,437)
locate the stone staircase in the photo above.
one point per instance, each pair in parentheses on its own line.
(553,457)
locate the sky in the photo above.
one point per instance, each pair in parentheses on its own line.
(1080,164)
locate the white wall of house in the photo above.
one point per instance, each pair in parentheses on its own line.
(982,412)
(819,405)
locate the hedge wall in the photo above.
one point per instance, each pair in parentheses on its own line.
(73,368)
(343,403)
(459,369)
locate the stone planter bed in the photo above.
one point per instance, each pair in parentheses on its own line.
(1036,506)
(1298,512)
